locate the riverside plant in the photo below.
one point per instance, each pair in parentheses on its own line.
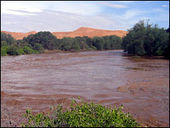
(81,115)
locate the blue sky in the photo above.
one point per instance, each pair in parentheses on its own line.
(25,16)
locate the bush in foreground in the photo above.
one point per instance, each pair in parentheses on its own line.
(81,115)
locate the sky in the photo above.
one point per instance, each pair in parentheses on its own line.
(60,16)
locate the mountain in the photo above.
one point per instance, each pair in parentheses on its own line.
(90,32)
(82,31)
(19,35)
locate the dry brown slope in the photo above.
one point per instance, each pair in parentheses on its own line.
(19,35)
(90,32)
(82,31)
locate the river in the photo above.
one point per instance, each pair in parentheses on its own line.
(39,81)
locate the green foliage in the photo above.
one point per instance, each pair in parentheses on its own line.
(28,50)
(3,43)
(98,43)
(38,47)
(75,46)
(66,43)
(12,50)
(143,39)
(46,39)
(112,42)
(81,115)
(37,43)
(4,50)
(8,38)
(20,51)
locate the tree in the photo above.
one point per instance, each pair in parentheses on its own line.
(28,50)
(12,50)
(98,43)
(4,50)
(75,46)
(145,39)
(3,43)
(8,38)
(66,43)
(46,39)
(37,43)
(38,47)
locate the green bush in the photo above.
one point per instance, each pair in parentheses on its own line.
(38,47)
(37,43)
(7,38)
(93,48)
(28,50)
(46,39)
(81,115)
(20,51)
(4,50)
(3,43)
(146,39)
(12,50)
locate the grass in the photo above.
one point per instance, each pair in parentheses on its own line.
(135,68)
(81,115)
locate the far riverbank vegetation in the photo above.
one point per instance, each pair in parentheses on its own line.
(41,41)
(143,39)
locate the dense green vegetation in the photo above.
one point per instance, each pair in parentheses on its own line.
(142,39)
(81,115)
(145,39)
(37,43)
(10,46)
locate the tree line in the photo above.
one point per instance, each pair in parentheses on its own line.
(143,39)
(37,43)
(146,39)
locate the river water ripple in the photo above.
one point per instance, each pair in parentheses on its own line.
(106,77)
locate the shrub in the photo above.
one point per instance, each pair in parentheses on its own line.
(20,51)
(28,50)
(46,39)
(3,50)
(8,38)
(37,43)
(12,50)
(38,47)
(145,39)
(81,115)
(3,43)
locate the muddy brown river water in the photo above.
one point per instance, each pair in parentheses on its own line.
(106,77)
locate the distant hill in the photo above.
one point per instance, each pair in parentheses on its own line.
(90,32)
(82,31)
(19,35)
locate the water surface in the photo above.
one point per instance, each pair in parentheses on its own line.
(106,77)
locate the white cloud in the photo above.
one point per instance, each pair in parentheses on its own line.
(164,6)
(37,6)
(27,16)
(129,14)
(54,21)
(113,5)
(78,8)
(126,1)
(9,7)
